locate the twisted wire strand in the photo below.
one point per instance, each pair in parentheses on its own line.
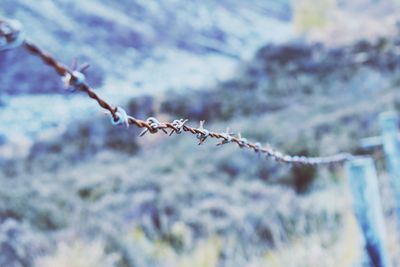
(76,79)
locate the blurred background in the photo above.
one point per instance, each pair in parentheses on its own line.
(306,76)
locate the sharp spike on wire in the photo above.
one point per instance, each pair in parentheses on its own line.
(242,142)
(203,134)
(179,125)
(11,34)
(227,137)
(74,63)
(83,67)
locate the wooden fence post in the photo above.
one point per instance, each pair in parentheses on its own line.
(389,133)
(368,210)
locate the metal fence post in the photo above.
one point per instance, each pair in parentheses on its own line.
(368,210)
(389,127)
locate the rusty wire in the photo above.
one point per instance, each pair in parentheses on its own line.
(74,77)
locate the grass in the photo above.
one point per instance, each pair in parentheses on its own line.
(78,253)
(309,14)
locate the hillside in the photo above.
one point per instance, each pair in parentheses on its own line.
(75,187)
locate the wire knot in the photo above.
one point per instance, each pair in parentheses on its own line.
(242,142)
(276,155)
(227,137)
(11,34)
(178,124)
(257,147)
(74,80)
(154,126)
(287,159)
(203,134)
(121,117)
(76,76)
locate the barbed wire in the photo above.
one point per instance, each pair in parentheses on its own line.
(11,36)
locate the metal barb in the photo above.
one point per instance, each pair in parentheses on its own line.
(11,34)
(122,117)
(227,137)
(242,142)
(153,126)
(178,125)
(75,77)
(257,147)
(203,133)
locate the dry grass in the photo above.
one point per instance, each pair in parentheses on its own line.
(79,254)
(322,249)
(309,14)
